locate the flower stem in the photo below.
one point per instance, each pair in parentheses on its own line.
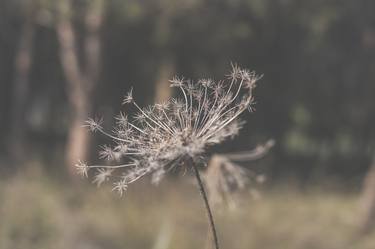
(207,206)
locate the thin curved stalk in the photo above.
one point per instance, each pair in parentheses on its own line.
(207,206)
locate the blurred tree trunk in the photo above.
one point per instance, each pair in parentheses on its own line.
(163,91)
(163,34)
(367,201)
(23,63)
(81,77)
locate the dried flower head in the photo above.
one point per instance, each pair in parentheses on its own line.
(163,136)
(224,176)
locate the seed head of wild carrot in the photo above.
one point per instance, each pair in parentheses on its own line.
(162,136)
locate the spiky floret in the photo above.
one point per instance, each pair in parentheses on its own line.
(161,137)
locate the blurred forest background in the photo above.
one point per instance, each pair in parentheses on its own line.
(62,62)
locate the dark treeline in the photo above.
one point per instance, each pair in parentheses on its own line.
(316,98)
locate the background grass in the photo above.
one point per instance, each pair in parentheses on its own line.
(39,212)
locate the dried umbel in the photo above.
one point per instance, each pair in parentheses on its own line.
(225,176)
(174,133)
(163,136)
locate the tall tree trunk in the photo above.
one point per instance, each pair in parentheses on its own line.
(367,201)
(167,69)
(23,62)
(81,78)
(163,91)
